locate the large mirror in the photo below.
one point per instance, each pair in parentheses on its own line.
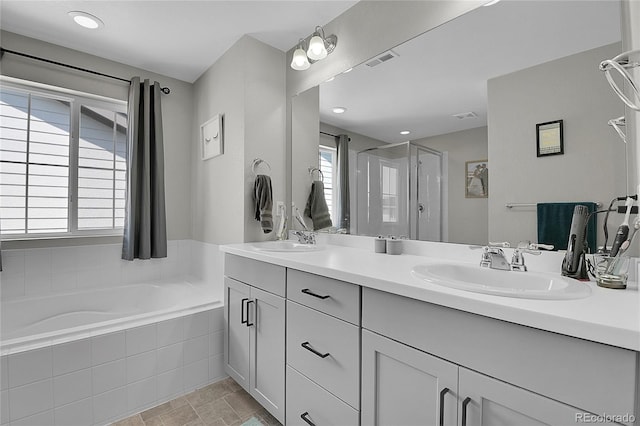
(474,94)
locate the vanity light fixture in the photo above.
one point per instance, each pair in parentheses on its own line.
(405,132)
(339,110)
(299,61)
(86,20)
(319,47)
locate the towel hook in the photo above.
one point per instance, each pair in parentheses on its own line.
(320,174)
(256,162)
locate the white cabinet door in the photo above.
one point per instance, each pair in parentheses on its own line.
(490,402)
(237,343)
(267,324)
(404,386)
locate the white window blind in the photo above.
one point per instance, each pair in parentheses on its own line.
(62,164)
(389,177)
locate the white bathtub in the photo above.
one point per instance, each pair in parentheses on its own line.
(30,323)
(93,357)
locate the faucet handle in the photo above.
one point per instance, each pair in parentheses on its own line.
(528,245)
(503,244)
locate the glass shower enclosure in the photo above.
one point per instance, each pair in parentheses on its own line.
(399,192)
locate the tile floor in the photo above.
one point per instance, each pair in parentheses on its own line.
(223,403)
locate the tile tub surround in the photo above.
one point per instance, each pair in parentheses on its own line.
(105,378)
(34,272)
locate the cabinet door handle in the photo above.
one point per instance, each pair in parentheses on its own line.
(249,324)
(242,318)
(305,416)
(308,347)
(443,392)
(466,402)
(310,293)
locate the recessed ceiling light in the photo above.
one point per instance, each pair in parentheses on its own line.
(491,3)
(338,110)
(330,79)
(86,20)
(405,132)
(346,71)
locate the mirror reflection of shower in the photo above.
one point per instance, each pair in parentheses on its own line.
(400,191)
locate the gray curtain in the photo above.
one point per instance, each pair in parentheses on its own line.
(145,224)
(342,182)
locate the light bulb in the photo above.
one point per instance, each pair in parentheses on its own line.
(317,49)
(300,61)
(86,20)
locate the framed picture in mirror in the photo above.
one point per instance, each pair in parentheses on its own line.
(477,179)
(549,138)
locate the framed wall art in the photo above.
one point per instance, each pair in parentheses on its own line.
(477,179)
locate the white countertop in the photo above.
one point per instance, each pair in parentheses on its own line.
(607,316)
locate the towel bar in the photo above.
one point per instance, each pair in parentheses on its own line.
(512,205)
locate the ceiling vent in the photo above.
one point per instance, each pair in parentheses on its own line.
(386,56)
(465,115)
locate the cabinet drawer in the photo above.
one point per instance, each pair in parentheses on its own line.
(322,408)
(311,290)
(263,275)
(335,364)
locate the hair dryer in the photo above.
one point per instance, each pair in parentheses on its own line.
(573,264)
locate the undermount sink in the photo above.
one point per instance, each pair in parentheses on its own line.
(288,246)
(527,285)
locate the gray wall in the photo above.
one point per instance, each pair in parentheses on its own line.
(252,99)
(468,217)
(592,168)
(176,108)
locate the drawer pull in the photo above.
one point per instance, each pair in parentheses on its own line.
(248,323)
(242,313)
(466,402)
(308,347)
(443,392)
(305,416)
(310,293)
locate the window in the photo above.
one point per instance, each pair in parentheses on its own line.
(327,161)
(62,163)
(389,176)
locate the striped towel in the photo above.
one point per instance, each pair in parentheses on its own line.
(263,202)
(317,208)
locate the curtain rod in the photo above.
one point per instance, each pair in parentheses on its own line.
(328,134)
(164,90)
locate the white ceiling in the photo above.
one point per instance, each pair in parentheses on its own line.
(179,39)
(444,71)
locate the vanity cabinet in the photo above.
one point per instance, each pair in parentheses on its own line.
(255,330)
(404,386)
(495,372)
(323,350)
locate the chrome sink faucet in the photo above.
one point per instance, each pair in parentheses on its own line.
(493,255)
(305,237)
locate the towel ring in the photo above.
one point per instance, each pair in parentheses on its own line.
(621,63)
(320,174)
(256,162)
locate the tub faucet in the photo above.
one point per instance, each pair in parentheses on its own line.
(305,237)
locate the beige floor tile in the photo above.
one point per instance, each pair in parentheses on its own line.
(231,384)
(154,421)
(208,394)
(216,411)
(179,417)
(157,410)
(130,421)
(266,418)
(242,403)
(197,422)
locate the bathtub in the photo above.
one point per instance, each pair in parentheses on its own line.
(96,356)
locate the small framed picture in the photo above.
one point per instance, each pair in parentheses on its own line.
(477,179)
(212,137)
(549,138)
